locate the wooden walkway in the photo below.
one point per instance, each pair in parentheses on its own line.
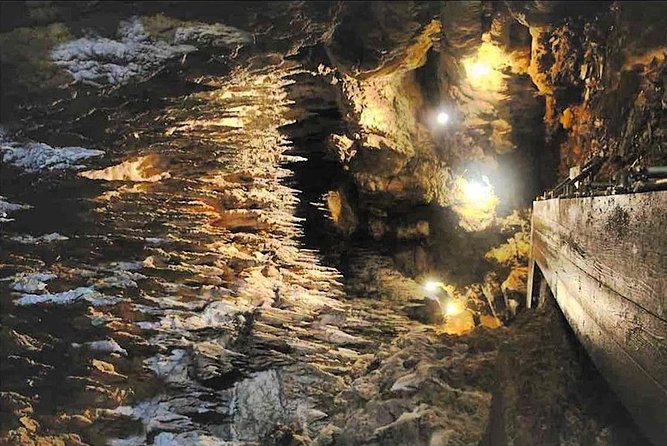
(605,260)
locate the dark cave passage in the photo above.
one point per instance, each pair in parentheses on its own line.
(313,223)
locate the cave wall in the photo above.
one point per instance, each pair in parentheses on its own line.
(394,74)
(572,80)
(601,67)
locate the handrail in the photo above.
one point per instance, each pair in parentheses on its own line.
(590,169)
(626,180)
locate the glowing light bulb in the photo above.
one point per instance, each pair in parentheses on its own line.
(431,286)
(453,308)
(478,70)
(442,118)
(476,191)
(484,69)
(475,203)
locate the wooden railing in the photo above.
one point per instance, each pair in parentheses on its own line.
(604,259)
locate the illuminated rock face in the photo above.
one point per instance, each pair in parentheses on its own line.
(602,72)
(530,89)
(174,277)
(442,124)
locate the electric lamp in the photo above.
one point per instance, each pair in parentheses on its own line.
(431,286)
(442,118)
(483,69)
(478,194)
(453,308)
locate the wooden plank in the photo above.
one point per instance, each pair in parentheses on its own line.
(643,334)
(621,241)
(642,396)
(605,259)
(640,334)
(530,285)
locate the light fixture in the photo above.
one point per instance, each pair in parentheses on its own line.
(431,286)
(442,118)
(484,69)
(478,192)
(453,308)
(475,202)
(476,70)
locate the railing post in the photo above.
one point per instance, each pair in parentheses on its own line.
(531,268)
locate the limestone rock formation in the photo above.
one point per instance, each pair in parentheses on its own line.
(267,187)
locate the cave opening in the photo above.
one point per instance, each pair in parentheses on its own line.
(331,223)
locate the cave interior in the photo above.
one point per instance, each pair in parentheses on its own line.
(309,223)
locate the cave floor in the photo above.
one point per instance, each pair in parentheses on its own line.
(180,304)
